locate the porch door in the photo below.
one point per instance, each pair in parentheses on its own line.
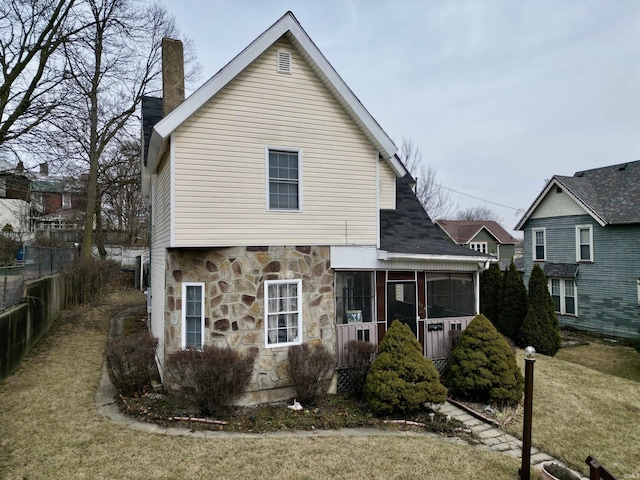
(401,304)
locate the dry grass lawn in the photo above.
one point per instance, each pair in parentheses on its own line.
(49,429)
(578,411)
(613,360)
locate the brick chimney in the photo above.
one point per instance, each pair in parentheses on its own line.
(44,168)
(172,75)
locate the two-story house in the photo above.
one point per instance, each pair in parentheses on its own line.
(584,231)
(15,212)
(281,214)
(486,236)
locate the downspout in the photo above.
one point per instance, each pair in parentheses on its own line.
(476,280)
(378,186)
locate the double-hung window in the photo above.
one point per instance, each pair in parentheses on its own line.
(283,178)
(563,292)
(539,244)
(192,315)
(584,243)
(479,246)
(283,312)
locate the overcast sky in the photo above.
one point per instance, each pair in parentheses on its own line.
(499,95)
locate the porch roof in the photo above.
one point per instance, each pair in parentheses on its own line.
(409,230)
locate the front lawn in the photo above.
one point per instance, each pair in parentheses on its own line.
(578,411)
(616,360)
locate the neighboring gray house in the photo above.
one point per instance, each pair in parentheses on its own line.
(584,231)
(484,236)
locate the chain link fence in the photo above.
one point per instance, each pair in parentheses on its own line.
(32,263)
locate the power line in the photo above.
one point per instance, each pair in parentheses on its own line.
(481,199)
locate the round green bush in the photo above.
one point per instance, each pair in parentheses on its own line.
(483,367)
(401,379)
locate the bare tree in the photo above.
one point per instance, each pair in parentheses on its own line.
(111,67)
(477,214)
(436,200)
(32,33)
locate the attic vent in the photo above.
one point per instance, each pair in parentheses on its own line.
(622,167)
(579,174)
(558,190)
(283,61)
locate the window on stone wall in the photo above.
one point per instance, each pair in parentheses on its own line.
(354,297)
(450,295)
(192,315)
(283,312)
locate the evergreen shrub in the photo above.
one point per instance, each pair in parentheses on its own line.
(401,379)
(514,303)
(540,328)
(483,368)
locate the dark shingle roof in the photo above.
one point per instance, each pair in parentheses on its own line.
(151,114)
(612,193)
(408,228)
(463,231)
(567,270)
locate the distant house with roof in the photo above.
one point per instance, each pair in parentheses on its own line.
(484,236)
(584,231)
(282,215)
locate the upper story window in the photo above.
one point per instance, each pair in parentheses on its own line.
(283,312)
(192,315)
(283,173)
(66,200)
(563,292)
(479,246)
(584,243)
(539,244)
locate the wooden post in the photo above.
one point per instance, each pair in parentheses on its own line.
(525,469)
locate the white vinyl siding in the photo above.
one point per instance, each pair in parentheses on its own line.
(539,238)
(220,175)
(160,232)
(557,205)
(387,186)
(584,243)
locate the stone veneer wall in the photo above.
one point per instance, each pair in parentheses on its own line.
(234,304)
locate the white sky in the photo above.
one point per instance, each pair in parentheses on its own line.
(498,94)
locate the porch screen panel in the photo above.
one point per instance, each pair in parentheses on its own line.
(354,297)
(450,296)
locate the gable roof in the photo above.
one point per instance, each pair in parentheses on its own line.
(409,230)
(463,231)
(288,27)
(611,195)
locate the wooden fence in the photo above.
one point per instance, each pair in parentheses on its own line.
(597,471)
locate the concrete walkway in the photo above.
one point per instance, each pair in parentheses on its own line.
(489,437)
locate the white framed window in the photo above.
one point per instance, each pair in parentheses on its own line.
(564,294)
(66,200)
(283,180)
(479,246)
(192,315)
(539,237)
(283,312)
(584,243)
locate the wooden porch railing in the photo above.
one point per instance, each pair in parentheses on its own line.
(367,332)
(436,334)
(597,471)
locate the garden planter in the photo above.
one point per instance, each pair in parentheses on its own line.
(553,471)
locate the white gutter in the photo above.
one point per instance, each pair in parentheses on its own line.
(383,255)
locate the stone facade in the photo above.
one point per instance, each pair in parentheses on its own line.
(234,304)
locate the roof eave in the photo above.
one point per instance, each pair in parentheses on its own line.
(384,255)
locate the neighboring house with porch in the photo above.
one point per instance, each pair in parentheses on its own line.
(584,231)
(485,236)
(281,214)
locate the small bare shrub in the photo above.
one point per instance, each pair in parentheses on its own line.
(360,356)
(212,377)
(310,368)
(131,362)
